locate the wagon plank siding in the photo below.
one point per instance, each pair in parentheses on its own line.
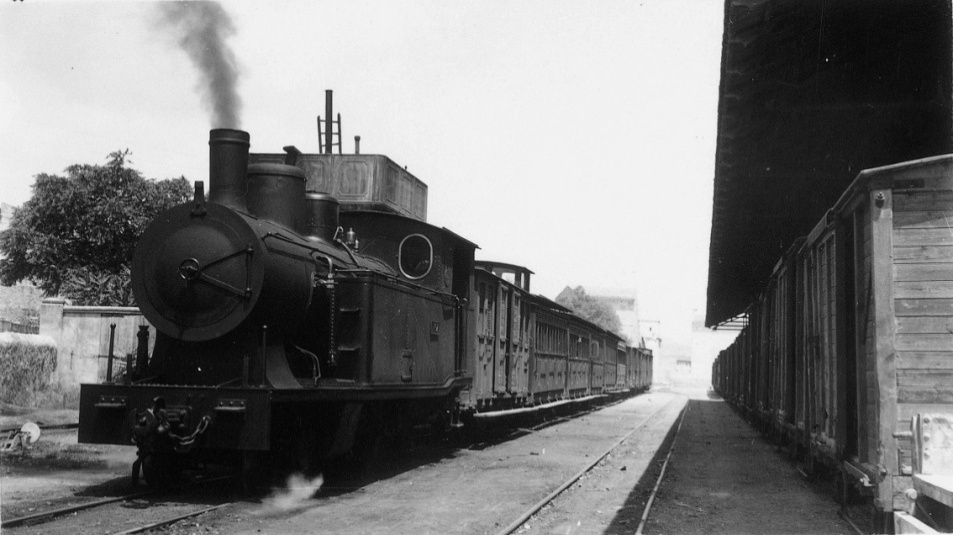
(925,325)
(923,307)
(905,237)
(928,219)
(925,360)
(924,342)
(925,271)
(923,289)
(922,253)
(923,201)
(926,395)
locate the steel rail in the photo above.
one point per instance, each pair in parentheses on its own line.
(13,522)
(658,482)
(552,495)
(173,520)
(43,427)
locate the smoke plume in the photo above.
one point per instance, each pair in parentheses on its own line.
(201,30)
(299,490)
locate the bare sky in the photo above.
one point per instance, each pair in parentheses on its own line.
(576,138)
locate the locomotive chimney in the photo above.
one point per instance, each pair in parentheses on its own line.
(357,144)
(227,167)
(322,212)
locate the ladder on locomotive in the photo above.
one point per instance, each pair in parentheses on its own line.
(326,135)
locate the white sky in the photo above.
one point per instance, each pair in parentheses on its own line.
(576,138)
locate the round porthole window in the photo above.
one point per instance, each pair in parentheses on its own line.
(416,256)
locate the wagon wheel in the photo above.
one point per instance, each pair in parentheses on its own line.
(160,471)
(844,492)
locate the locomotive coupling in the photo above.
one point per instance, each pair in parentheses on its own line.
(158,429)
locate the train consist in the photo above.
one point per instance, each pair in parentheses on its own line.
(306,309)
(848,355)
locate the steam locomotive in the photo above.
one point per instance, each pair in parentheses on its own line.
(281,334)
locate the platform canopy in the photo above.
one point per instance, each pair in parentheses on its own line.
(811,93)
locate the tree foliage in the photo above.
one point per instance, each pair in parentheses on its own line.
(76,235)
(591,308)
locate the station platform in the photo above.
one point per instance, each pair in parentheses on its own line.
(724,477)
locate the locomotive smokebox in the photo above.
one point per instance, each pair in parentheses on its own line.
(227,164)
(276,193)
(322,210)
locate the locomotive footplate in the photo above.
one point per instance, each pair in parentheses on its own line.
(175,418)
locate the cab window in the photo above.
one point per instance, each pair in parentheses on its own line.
(416,256)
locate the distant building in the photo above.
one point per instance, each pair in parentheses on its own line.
(651,338)
(6,215)
(19,304)
(651,334)
(625,303)
(707,343)
(683,365)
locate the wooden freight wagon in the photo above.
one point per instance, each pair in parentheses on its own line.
(648,372)
(549,351)
(607,353)
(751,390)
(501,369)
(716,372)
(783,314)
(819,270)
(622,366)
(894,260)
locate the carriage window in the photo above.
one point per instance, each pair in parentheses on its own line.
(416,256)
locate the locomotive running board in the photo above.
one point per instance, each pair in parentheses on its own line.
(349,391)
(537,408)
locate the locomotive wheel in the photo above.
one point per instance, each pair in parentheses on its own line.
(256,471)
(160,471)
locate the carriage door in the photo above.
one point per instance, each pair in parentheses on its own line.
(519,355)
(486,321)
(500,376)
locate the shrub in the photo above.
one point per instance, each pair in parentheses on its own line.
(27,362)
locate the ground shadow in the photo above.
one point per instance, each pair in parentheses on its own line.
(627,520)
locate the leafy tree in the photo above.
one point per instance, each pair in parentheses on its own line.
(76,235)
(591,308)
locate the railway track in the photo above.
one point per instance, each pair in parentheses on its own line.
(143,510)
(529,513)
(43,427)
(452,476)
(497,483)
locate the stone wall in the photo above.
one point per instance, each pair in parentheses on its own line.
(82,337)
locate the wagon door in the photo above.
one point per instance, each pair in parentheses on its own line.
(486,324)
(519,346)
(501,364)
